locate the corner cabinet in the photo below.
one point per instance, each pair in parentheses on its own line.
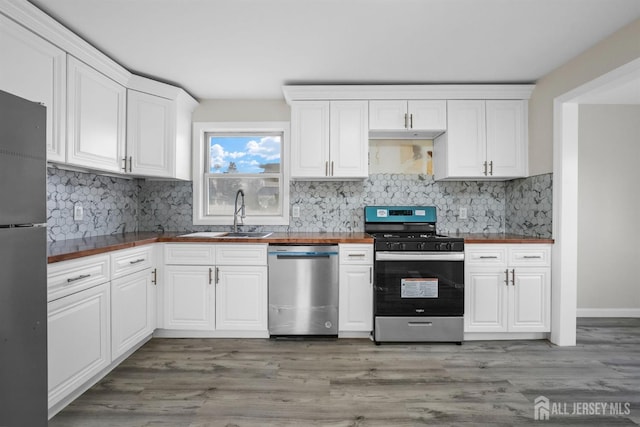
(35,69)
(355,300)
(507,288)
(329,139)
(96,118)
(158,130)
(484,140)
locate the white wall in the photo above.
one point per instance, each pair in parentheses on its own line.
(608,208)
(231,110)
(618,49)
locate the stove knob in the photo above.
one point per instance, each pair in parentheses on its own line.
(436,246)
(445,247)
(420,246)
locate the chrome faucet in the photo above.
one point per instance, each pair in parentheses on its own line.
(236,210)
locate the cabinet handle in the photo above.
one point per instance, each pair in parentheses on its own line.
(326,168)
(80,277)
(405,121)
(488,257)
(491,168)
(411,121)
(210,274)
(124,160)
(154,273)
(130,163)
(136,261)
(371,275)
(485,169)
(217,275)
(506,277)
(331,167)
(356,255)
(532,257)
(513,277)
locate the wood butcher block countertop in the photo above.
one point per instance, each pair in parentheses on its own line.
(470,238)
(76,248)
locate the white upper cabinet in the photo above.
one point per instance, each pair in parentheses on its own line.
(35,69)
(413,118)
(329,139)
(484,140)
(96,114)
(150,132)
(158,130)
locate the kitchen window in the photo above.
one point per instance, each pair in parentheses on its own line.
(248,156)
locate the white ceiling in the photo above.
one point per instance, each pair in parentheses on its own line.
(248,49)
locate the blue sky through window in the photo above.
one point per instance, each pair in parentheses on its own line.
(244,154)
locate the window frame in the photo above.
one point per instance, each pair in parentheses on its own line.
(200,174)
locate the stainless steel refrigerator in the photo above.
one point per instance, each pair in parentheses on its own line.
(23,263)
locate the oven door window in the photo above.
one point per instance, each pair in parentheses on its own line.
(419,288)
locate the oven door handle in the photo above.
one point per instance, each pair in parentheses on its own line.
(419,256)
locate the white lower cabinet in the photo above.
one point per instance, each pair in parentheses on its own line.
(241,298)
(355,307)
(219,289)
(133,311)
(507,288)
(189,297)
(79,337)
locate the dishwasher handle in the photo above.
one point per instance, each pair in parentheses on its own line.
(295,255)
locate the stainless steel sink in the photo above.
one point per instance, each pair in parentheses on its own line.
(230,235)
(246,234)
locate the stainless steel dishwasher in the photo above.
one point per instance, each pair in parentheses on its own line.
(303,290)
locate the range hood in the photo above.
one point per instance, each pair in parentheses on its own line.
(405,134)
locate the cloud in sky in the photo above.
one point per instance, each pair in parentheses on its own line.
(246,152)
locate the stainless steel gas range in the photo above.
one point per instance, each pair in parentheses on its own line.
(419,276)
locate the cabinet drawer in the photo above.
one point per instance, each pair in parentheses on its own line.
(485,255)
(67,277)
(356,254)
(189,254)
(530,255)
(241,254)
(131,260)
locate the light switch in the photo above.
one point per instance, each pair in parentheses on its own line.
(78,212)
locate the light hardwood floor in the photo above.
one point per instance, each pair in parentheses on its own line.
(229,382)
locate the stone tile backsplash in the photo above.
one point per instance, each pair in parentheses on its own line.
(113,205)
(529,206)
(110,204)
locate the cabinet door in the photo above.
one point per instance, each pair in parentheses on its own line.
(241,298)
(150,135)
(309,139)
(78,340)
(529,300)
(34,69)
(485,300)
(96,118)
(466,138)
(132,311)
(349,139)
(506,138)
(428,115)
(355,308)
(388,115)
(189,297)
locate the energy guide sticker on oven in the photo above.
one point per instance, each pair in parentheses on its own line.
(419,288)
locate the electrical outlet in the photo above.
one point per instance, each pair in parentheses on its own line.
(295,211)
(463,213)
(78,212)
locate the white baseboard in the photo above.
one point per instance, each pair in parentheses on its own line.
(608,312)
